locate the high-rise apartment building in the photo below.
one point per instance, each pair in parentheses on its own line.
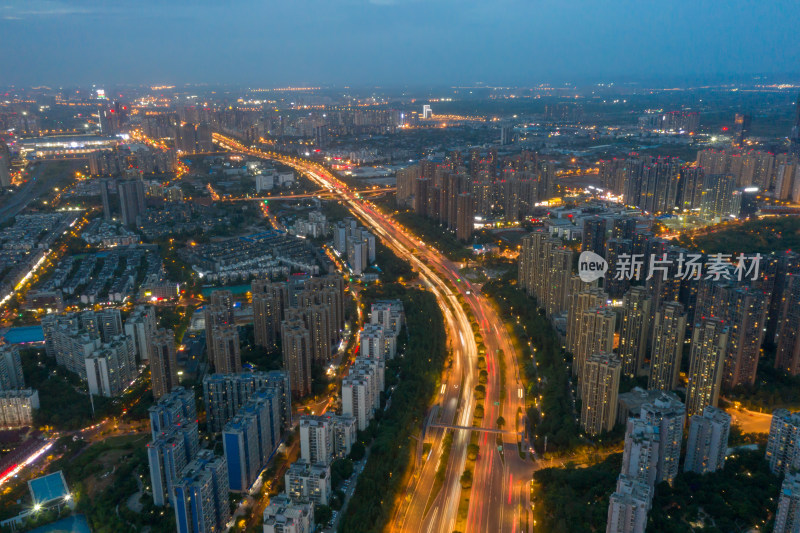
(218,319)
(556,285)
(318,321)
(746,316)
(787,338)
(357,399)
(465,217)
(172,409)
(389,314)
(634,330)
(641,451)
(599,392)
(372,342)
(168,454)
(783,444)
(16,407)
(616,250)
(668,414)
(316,439)
(163,362)
(296,344)
(345,430)
(594,235)
(131,200)
(268,304)
(580,301)
(225,394)
(225,349)
(787,517)
(111,368)
(709,344)
(708,441)
(308,483)
(141,326)
(628,507)
(11,377)
(201,495)
(240,441)
(669,332)
(596,335)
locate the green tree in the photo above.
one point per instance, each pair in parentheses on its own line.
(466,479)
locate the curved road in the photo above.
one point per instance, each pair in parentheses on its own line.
(500,496)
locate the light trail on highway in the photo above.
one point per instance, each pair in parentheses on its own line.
(436,272)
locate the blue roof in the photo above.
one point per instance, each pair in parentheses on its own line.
(24,334)
(48,488)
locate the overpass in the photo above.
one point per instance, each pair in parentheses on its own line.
(472,428)
(322,194)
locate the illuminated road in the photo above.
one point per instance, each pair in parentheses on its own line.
(322,195)
(500,488)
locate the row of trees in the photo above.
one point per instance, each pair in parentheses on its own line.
(740,497)
(556,423)
(419,367)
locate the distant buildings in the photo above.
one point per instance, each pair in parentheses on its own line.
(794,135)
(355,243)
(708,441)
(462,190)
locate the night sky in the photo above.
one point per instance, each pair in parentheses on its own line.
(394,42)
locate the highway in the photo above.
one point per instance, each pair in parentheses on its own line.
(500,488)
